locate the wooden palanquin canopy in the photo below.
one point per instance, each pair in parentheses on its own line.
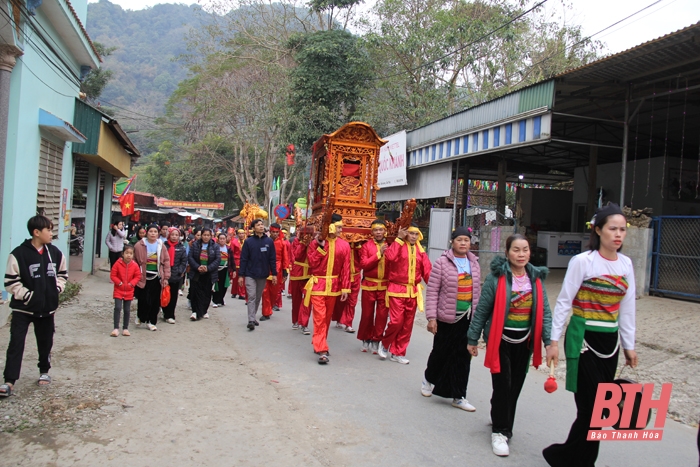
(344,178)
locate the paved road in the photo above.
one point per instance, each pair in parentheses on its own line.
(374,414)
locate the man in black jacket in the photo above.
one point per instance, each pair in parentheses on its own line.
(258,262)
(35,276)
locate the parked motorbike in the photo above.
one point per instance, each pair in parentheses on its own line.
(76,245)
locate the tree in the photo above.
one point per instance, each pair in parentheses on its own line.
(433,58)
(326,84)
(97,79)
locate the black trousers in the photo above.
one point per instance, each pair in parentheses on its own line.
(118,311)
(200,293)
(507,385)
(577,451)
(218,296)
(44,329)
(449,361)
(149,302)
(113,257)
(169,311)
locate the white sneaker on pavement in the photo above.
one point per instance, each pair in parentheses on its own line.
(305,331)
(382,352)
(152,327)
(375,347)
(499,444)
(137,322)
(426,388)
(399,359)
(215,305)
(206,316)
(193,317)
(463,404)
(179,292)
(295,326)
(365,346)
(171,321)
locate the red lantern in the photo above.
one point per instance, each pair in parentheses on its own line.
(290,154)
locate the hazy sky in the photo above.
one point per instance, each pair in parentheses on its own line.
(665,17)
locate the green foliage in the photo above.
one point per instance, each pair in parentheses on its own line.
(433,58)
(71,291)
(330,75)
(97,79)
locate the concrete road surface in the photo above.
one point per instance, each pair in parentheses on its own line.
(374,414)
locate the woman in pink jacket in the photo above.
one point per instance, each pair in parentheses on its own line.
(453,293)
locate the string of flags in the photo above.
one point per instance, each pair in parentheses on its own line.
(485,185)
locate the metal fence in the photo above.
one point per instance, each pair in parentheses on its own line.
(676,257)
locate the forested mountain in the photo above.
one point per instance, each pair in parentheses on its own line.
(144,65)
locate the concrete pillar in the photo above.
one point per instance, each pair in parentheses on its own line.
(8,56)
(592,182)
(91,203)
(501,192)
(465,193)
(106,214)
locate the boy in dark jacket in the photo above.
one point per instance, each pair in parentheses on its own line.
(36,274)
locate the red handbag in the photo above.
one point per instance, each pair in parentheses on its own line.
(165,296)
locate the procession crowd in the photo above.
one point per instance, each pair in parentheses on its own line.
(509,309)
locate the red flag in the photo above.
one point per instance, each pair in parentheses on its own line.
(127,204)
(136,216)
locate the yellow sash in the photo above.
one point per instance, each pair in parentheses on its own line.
(418,295)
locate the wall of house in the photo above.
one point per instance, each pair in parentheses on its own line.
(35,84)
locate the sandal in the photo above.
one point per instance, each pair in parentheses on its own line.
(126,333)
(44,378)
(6,390)
(115,333)
(323,359)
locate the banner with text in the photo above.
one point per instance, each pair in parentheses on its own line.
(168,203)
(392,161)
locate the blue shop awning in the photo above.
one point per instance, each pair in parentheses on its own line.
(59,128)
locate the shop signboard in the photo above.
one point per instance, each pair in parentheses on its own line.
(392,161)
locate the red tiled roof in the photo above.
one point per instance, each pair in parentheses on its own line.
(82,28)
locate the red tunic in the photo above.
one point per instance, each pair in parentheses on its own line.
(405,275)
(282,258)
(235,247)
(300,268)
(374,266)
(330,275)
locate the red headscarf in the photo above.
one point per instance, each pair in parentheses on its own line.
(171,246)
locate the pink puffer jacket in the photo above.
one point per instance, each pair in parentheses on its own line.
(441,298)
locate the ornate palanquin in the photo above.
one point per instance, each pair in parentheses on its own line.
(344,178)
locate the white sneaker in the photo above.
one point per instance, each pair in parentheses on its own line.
(426,388)
(381,351)
(365,346)
(375,347)
(137,322)
(180,293)
(206,316)
(399,359)
(305,331)
(171,321)
(193,317)
(152,327)
(295,326)
(499,444)
(215,305)
(463,404)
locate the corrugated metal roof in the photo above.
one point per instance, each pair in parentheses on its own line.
(534,97)
(510,105)
(87,120)
(671,52)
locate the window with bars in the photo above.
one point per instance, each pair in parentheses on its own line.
(48,198)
